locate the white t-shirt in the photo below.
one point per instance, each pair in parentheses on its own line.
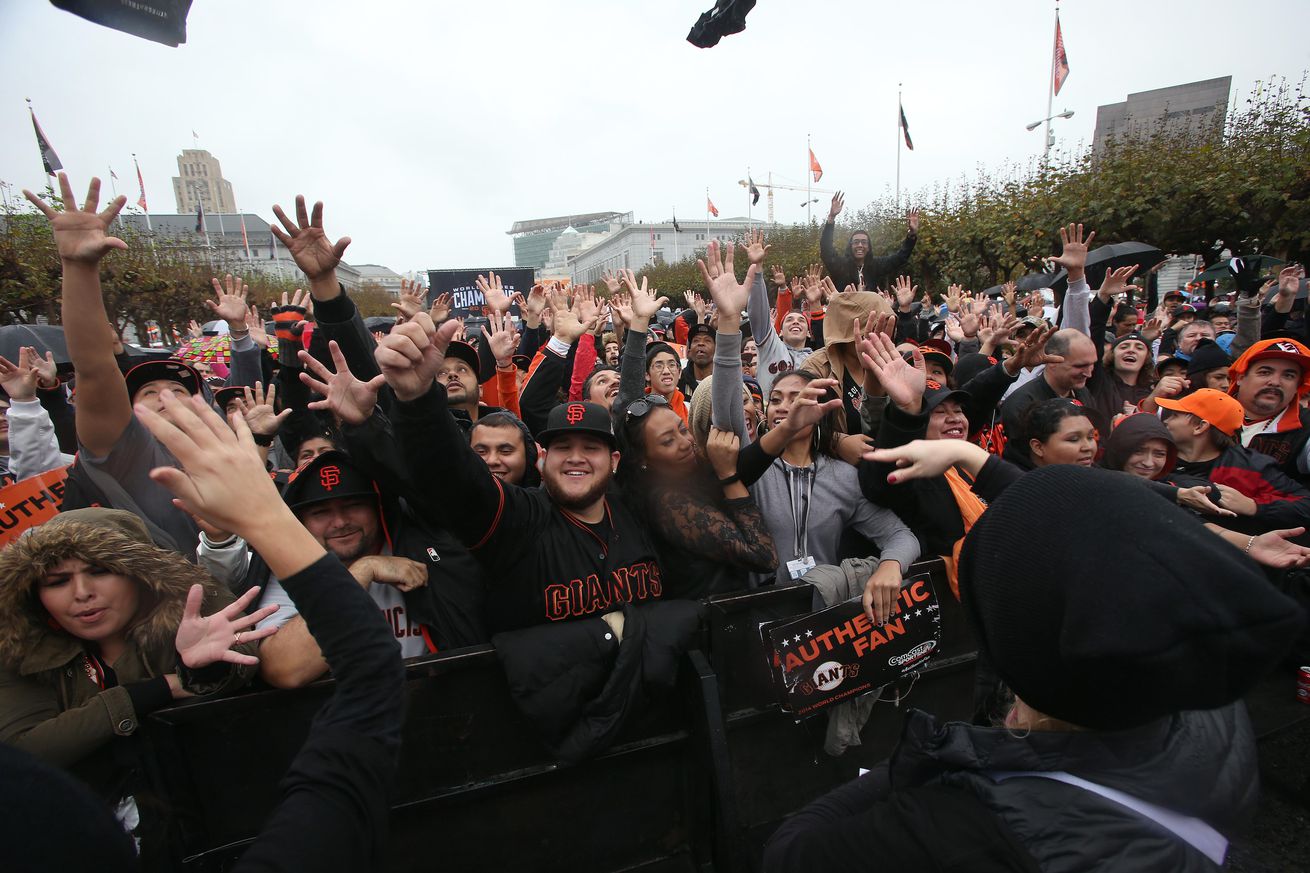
(388,598)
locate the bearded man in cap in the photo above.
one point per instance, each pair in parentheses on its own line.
(569,550)
(1269,380)
(425,584)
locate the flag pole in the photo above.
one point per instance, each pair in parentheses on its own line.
(676,259)
(707,215)
(749,182)
(809,175)
(899,141)
(1050,90)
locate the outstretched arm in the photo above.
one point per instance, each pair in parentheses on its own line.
(82,240)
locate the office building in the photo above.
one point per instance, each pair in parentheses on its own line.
(633,246)
(200,180)
(534,238)
(1197,108)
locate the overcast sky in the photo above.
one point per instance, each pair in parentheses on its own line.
(428,128)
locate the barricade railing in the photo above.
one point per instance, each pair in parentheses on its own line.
(695,784)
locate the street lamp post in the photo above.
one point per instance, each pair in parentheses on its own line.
(1050,137)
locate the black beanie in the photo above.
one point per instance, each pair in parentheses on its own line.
(1208,355)
(1106,629)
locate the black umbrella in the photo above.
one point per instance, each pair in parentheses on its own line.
(42,337)
(1219,269)
(1125,254)
(379,323)
(1030,283)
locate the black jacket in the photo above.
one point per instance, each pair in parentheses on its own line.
(925,505)
(546,565)
(877,271)
(580,686)
(1286,447)
(1281,501)
(935,807)
(1035,391)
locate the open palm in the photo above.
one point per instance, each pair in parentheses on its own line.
(80,234)
(344,395)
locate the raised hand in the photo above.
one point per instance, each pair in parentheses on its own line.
(493,291)
(345,396)
(954,297)
(904,383)
(644,302)
(779,276)
(411,301)
(18,380)
(410,355)
(993,330)
(1031,352)
(255,326)
(229,302)
(697,304)
(905,292)
(913,221)
(1151,330)
(202,640)
(721,280)
(1074,256)
(585,304)
(316,257)
(809,407)
(81,235)
(1008,292)
(954,329)
(194,330)
(838,203)
(613,281)
(440,310)
(755,249)
(260,410)
(1116,282)
(534,305)
(1289,280)
(501,338)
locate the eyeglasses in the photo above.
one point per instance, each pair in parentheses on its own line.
(639,408)
(664,366)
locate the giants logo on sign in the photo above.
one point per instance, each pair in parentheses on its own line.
(329,477)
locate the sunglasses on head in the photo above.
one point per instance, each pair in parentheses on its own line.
(639,408)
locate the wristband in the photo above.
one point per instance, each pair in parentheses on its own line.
(1249,543)
(264,439)
(730,480)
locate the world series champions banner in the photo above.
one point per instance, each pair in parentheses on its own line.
(465,299)
(30,502)
(837,654)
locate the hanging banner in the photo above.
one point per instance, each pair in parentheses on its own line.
(466,300)
(837,654)
(30,502)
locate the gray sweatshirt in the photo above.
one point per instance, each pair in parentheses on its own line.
(775,357)
(835,504)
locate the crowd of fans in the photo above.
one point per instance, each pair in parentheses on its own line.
(560,483)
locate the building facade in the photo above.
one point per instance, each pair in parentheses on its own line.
(383,277)
(1197,108)
(221,242)
(200,180)
(633,246)
(534,238)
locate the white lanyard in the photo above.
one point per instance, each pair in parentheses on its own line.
(800,506)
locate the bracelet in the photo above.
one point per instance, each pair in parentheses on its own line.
(237,334)
(264,439)
(1247,550)
(730,480)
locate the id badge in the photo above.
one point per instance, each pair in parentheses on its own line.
(800,567)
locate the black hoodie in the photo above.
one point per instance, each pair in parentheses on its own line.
(876,270)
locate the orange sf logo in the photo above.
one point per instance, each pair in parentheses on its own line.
(330,477)
(574,413)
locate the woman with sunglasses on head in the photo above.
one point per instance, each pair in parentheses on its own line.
(708,530)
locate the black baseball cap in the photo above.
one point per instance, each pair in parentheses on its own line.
(698,329)
(935,394)
(153,371)
(330,475)
(225,395)
(1177,292)
(465,353)
(578,417)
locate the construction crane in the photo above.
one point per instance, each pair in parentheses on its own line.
(771,187)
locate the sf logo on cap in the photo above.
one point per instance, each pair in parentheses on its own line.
(574,413)
(329,477)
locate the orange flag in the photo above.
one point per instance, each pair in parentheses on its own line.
(709,205)
(814,166)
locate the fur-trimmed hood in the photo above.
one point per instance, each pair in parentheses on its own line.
(164,577)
